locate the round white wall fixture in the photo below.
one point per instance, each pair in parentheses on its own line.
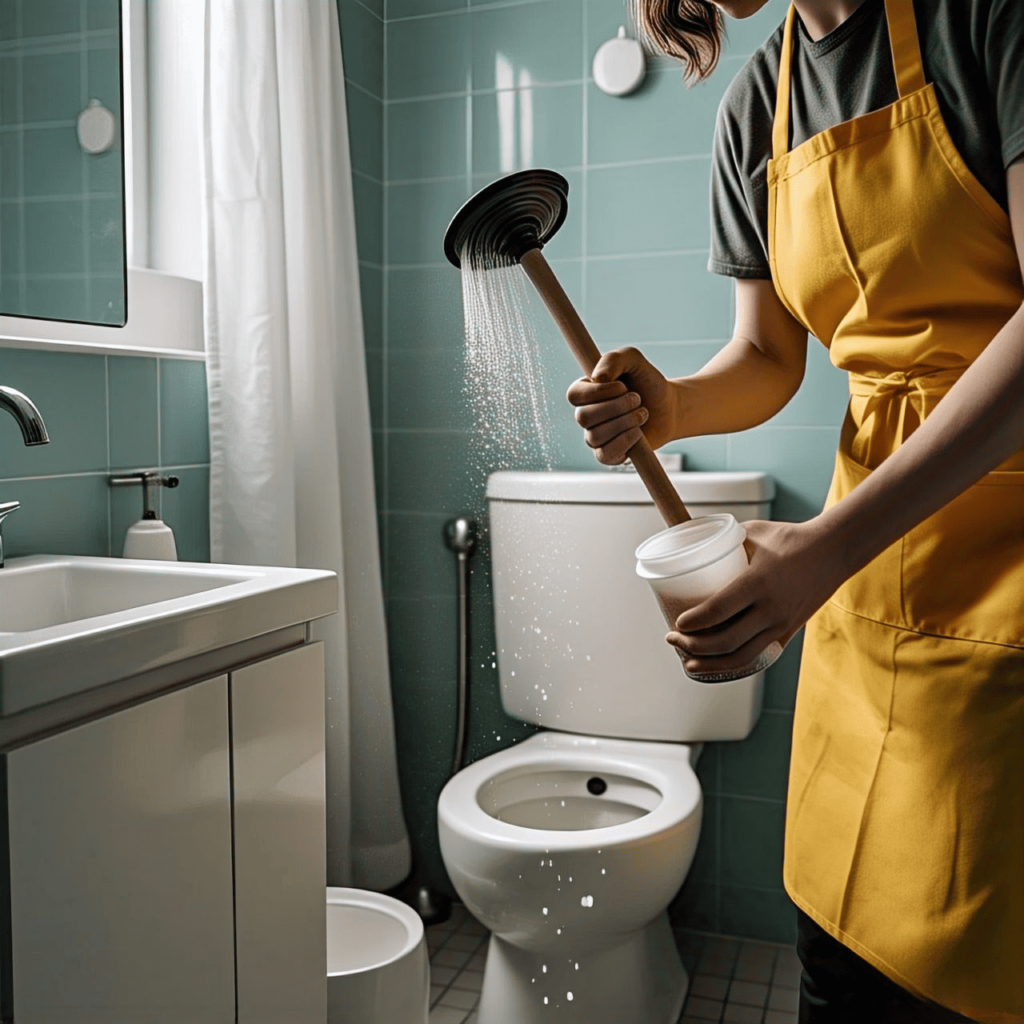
(619,65)
(97,128)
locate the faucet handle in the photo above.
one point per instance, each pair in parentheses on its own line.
(6,508)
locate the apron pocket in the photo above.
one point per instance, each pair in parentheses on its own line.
(962,569)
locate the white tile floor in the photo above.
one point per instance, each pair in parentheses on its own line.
(731,980)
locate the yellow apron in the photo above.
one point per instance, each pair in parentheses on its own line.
(905,816)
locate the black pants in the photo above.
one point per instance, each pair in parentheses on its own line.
(838,987)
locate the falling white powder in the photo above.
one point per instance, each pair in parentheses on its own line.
(504,384)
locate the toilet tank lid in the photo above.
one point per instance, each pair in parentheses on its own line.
(610,487)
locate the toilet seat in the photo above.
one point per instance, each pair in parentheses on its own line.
(663,769)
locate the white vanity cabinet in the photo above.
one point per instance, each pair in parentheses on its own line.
(167,860)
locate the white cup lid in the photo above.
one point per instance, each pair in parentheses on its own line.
(689,546)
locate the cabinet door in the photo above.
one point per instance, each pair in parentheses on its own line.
(277,731)
(120,838)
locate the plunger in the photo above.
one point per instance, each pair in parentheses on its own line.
(508,222)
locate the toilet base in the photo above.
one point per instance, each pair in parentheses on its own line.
(641,980)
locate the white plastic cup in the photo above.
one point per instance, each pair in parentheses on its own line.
(686,564)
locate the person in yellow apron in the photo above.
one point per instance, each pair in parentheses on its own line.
(905,813)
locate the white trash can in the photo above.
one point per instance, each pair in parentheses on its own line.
(378,971)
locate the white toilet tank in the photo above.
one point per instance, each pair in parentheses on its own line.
(581,638)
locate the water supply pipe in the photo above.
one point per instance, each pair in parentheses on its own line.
(460,536)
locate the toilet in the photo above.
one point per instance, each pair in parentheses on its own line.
(569,845)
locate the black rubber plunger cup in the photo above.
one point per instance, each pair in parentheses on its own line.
(508,222)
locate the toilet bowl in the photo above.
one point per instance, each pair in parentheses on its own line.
(378,970)
(569,848)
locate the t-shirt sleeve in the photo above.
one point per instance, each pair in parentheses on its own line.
(1004,68)
(737,248)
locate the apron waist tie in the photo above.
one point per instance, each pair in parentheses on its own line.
(899,402)
(932,384)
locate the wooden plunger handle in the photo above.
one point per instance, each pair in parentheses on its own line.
(650,470)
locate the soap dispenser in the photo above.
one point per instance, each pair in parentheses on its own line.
(150,537)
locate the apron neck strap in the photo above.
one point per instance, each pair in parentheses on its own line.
(906,60)
(906,50)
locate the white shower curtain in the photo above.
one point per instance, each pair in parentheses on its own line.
(291,475)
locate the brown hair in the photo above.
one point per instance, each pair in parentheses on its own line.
(691,31)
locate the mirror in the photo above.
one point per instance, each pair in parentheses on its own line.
(62,242)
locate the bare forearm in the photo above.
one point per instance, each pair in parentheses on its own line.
(739,388)
(977,425)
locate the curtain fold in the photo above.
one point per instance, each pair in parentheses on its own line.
(291,475)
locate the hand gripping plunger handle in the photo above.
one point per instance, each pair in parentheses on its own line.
(650,470)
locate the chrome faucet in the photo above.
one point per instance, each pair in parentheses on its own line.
(33,430)
(21,407)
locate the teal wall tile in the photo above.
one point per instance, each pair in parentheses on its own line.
(375,386)
(705,860)
(102,14)
(186,510)
(427,390)
(765,914)
(627,211)
(103,67)
(70,391)
(106,236)
(8,21)
(368,196)
(56,17)
(428,56)
(64,515)
(418,215)
(427,472)
(420,563)
(427,138)
(702,454)
(799,458)
(362,46)
(56,298)
(425,308)
(534,44)
(419,8)
(823,395)
(366,132)
(53,86)
(695,906)
(633,300)
(132,384)
(10,89)
(519,128)
(371,294)
(751,841)
(759,765)
(662,119)
(184,418)
(103,172)
(10,164)
(55,237)
(11,250)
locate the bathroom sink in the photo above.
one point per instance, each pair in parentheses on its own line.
(50,593)
(72,623)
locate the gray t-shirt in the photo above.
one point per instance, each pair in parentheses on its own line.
(973,51)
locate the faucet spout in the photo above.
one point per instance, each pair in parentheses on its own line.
(21,407)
